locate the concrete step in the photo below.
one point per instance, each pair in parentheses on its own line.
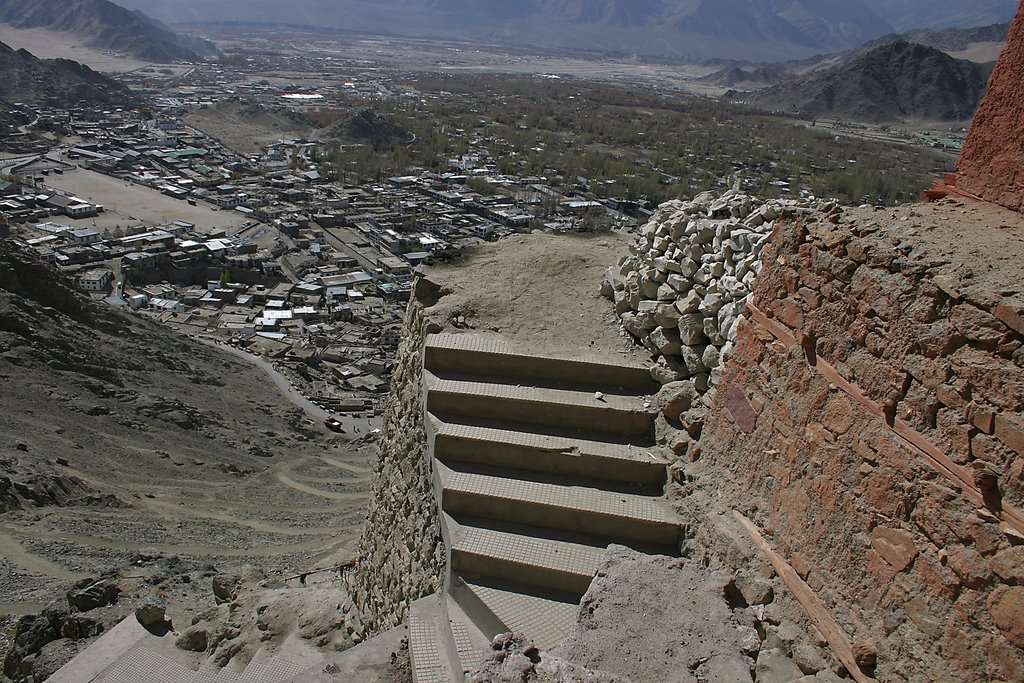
(544,618)
(470,354)
(427,652)
(468,643)
(618,517)
(624,416)
(271,671)
(542,562)
(368,662)
(546,453)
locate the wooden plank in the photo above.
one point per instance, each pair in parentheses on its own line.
(933,455)
(819,616)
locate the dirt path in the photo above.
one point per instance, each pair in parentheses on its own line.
(331,495)
(318,544)
(11,550)
(314,411)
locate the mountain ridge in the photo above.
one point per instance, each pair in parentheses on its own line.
(670,29)
(107,26)
(56,82)
(697,30)
(896,81)
(906,15)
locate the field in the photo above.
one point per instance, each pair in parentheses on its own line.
(130,204)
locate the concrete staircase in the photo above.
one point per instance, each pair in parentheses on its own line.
(539,464)
(128,653)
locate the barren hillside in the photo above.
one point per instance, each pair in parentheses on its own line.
(118,436)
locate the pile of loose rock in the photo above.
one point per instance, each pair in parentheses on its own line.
(688,277)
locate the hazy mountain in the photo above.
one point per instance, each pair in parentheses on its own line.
(905,15)
(677,29)
(763,30)
(107,26)
(56,82)
(897,81)
(954,39)
(752,77)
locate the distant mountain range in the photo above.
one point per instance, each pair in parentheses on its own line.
(894,82)
(107,26)
(954,39)
(905,15)
(756,76)
(56,82)
(762,30)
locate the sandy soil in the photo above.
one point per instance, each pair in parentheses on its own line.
(980,52)
(244,130)
(541,292)
(126,204)
(975,244)
(47,44)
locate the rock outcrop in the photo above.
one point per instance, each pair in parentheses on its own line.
(991,165)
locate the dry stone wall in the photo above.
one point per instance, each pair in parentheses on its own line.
(401,555)
(869,422)
(682,289)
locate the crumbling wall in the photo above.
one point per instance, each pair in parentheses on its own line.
(869,422)
(401,555)
(991,165)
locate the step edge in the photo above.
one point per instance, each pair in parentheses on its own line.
(508,350)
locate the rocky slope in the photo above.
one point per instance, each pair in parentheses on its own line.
(56,82)
(107,26)
(950,40)
(120,438)
(366,125)
(897,81)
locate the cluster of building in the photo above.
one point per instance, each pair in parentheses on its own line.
(316,274)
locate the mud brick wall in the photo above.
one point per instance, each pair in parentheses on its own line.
(870,423)
(991,165)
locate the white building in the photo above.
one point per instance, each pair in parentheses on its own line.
(96,280)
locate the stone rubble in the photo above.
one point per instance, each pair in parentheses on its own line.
(683,288)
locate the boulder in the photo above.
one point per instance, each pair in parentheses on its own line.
(774,667)
(79,626)
(668,369)
(667,315)
(151,610)
(675,398)
(692,358)
(92,593)
(194,639)
(691,329)
(225,587)
(667,341)
(690,303)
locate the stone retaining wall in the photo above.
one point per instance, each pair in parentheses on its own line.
(869,422)
(401,556)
